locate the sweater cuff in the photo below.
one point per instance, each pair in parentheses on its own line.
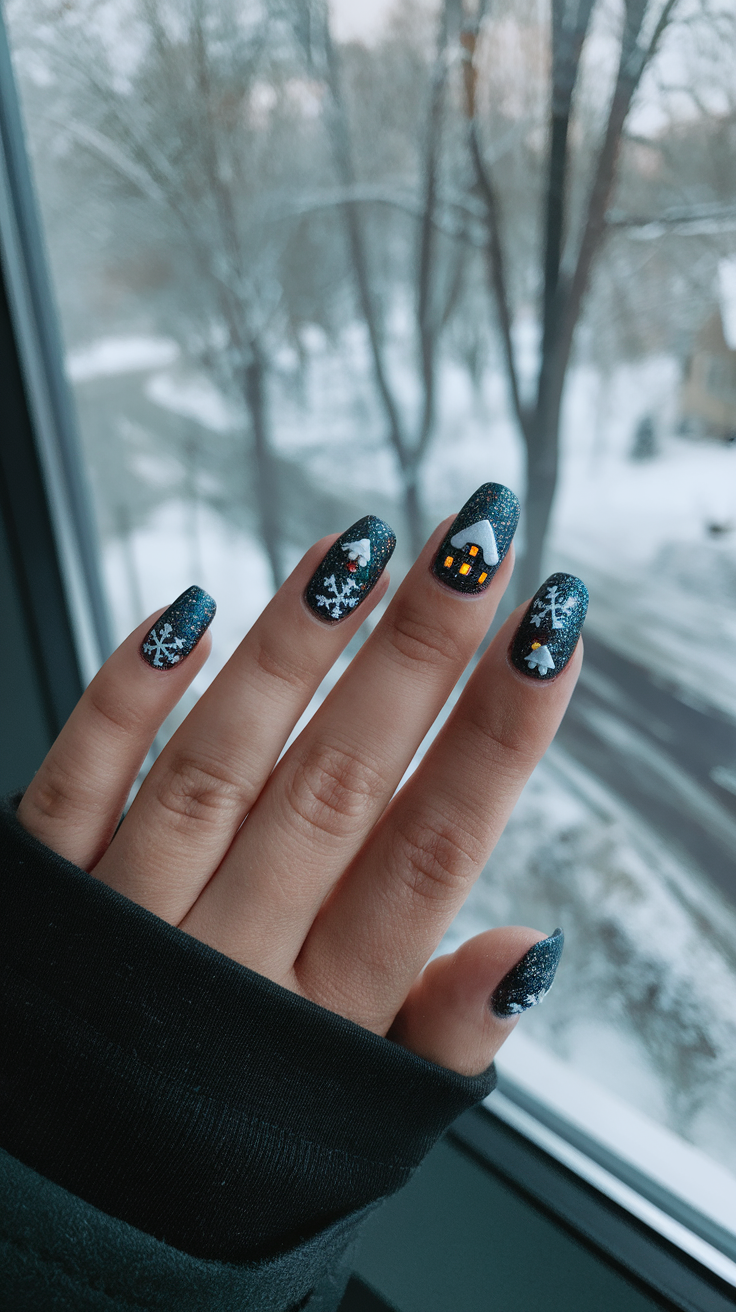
(174,1089)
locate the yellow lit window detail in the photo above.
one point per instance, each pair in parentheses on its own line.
(483,577)
(536,646)
(465,569)
(474,551)
(448,561)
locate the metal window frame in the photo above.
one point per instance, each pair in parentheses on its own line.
(44,487)
(46,508)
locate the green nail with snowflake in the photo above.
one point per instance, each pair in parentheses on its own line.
(179,629)
(548,634)
(351,569)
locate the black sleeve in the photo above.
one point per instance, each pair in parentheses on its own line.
(178,1092)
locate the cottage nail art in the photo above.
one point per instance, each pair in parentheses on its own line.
(478,540)
(179,629)
(351,568)
(548,634)
(530,979)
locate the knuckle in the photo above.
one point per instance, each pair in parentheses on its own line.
(112,715)
(333,790)
(52,795)
(436,859)
(419,640)
(198,792)
(276,664)
(502,739)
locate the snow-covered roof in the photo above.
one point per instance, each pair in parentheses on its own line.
(727,298)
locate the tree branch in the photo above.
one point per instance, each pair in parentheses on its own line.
(426,314)
(632,62)
(569,30)
(342,155)
(495,261)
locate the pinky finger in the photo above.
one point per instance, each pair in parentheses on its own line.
(75,800)
(464,1006)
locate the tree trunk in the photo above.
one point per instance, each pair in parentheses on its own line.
(267,492)
(413,513)
(542,442)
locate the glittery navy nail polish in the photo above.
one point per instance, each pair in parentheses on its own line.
(548,634)
(530,979)
(178,630)
(351,568)
(478,540)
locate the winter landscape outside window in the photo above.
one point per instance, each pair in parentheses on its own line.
(313,264)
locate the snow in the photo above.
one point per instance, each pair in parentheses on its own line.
(192,398)
(120,355)
(608,1117)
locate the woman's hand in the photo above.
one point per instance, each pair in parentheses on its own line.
(336,886)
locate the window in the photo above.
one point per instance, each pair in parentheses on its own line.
(309,265)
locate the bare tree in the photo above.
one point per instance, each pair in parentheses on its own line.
(196,168)
(433,301)
(566,263)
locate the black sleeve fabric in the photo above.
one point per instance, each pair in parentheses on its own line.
(165,1085)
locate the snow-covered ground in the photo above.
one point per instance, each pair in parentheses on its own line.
(645,1002)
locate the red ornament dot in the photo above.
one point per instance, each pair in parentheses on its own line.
(352,566)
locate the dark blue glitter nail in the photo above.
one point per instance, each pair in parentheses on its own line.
(530,979)
(548,634)
(351,568)
(478,540)
(178,630)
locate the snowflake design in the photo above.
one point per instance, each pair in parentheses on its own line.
(552,607)
(163,646)
(341,601)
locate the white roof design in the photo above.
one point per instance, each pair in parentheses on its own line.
(360,551)
(480,535)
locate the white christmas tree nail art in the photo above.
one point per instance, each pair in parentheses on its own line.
(163,646)
(540,658)
(550,607)
(341,601)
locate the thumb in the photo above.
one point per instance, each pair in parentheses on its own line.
(464,1006)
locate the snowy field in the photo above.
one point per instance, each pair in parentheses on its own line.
(645,1001)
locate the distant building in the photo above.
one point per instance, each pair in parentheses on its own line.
(708,396)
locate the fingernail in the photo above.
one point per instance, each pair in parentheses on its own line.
(179,629)
(548,634)
(478,540)
(352,567)
(530,979)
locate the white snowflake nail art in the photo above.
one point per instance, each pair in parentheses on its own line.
(351,568)
(163,647)
(341,601)
(178,630)
(557,611)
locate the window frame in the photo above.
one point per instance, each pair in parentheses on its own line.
(44,478)
(45,504)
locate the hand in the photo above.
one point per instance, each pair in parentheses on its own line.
(333,886)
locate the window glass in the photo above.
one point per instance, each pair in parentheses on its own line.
(295,252)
